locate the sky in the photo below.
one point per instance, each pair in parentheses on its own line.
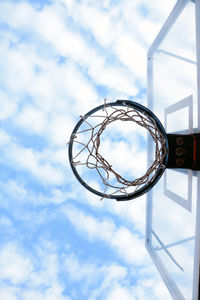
(58,60)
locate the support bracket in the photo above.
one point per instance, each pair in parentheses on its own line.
(184,151)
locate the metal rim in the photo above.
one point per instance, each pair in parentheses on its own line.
(159,172)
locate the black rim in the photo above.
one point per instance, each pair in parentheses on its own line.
(159,172)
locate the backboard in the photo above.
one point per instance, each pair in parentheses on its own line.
(173,205)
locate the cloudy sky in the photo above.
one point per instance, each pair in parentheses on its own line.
(58,60)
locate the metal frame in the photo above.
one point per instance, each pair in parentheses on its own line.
(171,285)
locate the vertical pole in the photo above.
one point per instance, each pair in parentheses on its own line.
(149,151)
(197,230)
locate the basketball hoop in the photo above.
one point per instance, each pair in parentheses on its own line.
(84,150)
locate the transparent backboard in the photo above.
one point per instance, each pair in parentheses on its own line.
(173,205)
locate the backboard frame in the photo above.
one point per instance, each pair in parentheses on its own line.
(169,282)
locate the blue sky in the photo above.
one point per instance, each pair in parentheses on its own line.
(59,59)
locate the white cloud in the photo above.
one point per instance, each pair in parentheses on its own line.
(107,34)
(91,272)
(58,155)
(15,189)
(149,285)
(66,43)
(19,14)
(48,272)
(118,293)
(78,271)
(127,245)
(94,280)
(18,193)
(132,54)
(8,293)
(51,293)
(33,161)
(17,68)
(125,30)
(4,138)
(38,278)
(57,196)
(43,281)
(78,88)
(13,265)
(31,119)
(90,16)
(132,213)
(113,275)
(158,13)
(8,105)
